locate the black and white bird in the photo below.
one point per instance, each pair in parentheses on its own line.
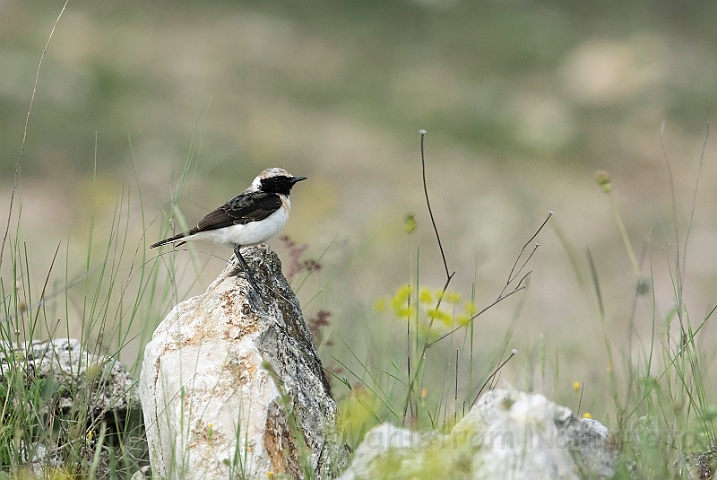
(252,217)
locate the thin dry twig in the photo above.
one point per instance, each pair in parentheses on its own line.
(449,277)
(24,134)
(512,277)
(430,211)
(513,353)
(521,285)
(481,312)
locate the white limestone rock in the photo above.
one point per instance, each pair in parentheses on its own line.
(506,435)
(232,384)
(83,388)
(102,385)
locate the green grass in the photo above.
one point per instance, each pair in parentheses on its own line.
(662,400)
(115,298)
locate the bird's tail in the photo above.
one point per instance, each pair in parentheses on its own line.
(178,236)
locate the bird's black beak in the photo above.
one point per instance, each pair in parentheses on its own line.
(297,179)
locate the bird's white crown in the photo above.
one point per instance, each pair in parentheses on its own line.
(269,173)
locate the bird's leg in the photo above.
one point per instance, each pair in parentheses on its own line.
(245,267)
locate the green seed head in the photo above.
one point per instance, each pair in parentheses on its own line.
(603,179)
(409,224)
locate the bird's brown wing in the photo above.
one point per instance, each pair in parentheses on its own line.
(240,210)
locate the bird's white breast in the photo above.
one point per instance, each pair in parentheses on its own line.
(251,233)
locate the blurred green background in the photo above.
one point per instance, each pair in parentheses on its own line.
(522,100)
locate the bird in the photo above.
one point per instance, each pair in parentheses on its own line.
(254,216)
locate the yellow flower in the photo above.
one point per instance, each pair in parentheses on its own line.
(424,392)
(439,315)
(452,297)
(400,299)
(405,312)
(403,293)
(425,296)
(463,320)
(587,415)
(470,309)
(576,386)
